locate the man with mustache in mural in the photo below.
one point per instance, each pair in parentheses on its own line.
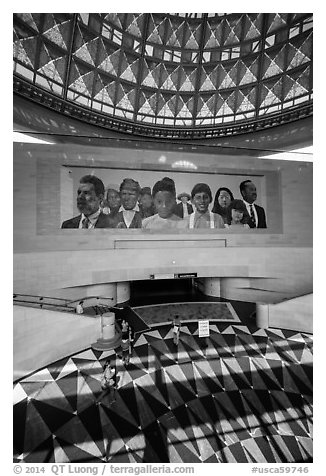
(89,197)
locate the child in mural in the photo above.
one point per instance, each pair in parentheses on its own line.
(201,197)
(237,217)
(164,195)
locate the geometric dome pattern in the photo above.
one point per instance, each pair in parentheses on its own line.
(240,395)
(181,70)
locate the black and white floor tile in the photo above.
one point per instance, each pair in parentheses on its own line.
(239,395)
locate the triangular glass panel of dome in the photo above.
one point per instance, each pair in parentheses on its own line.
(280,58)
(165,111)
(180,32)
(269,99)
(54,34)
(149,81)
(184,112)
(146,109)
(111,89)
(60,65)
(44,57)
(248,77)
(24,51)
(84,54)
(212,42)
(133,28)
(304,78)
(298,58)
(192,42)
(224,110)
(172,102)
(173,39)
(272,70)
(245,106)
(277,22)
(227,82)
(107,66)
(231,38)
(306,47)
(252,32)
(156,73)
(152,99)
(104,97)
(233,72)
(111,63)
(50,71)
(155,37)
(128,75)
(296,90)
(124,103)
(29,20)
(187,86)
(168,84)
(89,81)
(160,101)
(99,85)
(207,85)
(79,85)
(113,18)
(204,111)
(215,35)
(49,22)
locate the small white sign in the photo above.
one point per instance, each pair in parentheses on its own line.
(203,328)
(162,276)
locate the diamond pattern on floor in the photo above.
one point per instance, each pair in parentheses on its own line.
(237,396)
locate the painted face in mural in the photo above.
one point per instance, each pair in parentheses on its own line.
(224,199)
(164,203)
(201,201)
(129,198)
(87,200)
(237,216)
(250,192)
(146,201)
(113,199)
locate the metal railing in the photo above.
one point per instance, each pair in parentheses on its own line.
(98,303)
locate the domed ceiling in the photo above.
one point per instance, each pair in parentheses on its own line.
(168,75)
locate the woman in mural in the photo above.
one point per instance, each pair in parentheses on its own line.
(222,200)
(146,204)
(112,202)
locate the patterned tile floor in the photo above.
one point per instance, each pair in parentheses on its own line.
(154,314)
(240,395)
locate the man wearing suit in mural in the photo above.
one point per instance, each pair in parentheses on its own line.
(89,197)
(128,215)
(256,217)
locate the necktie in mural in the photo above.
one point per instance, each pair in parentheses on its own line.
(85,222)
(252,215)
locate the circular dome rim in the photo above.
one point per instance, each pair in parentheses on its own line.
(235,126)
